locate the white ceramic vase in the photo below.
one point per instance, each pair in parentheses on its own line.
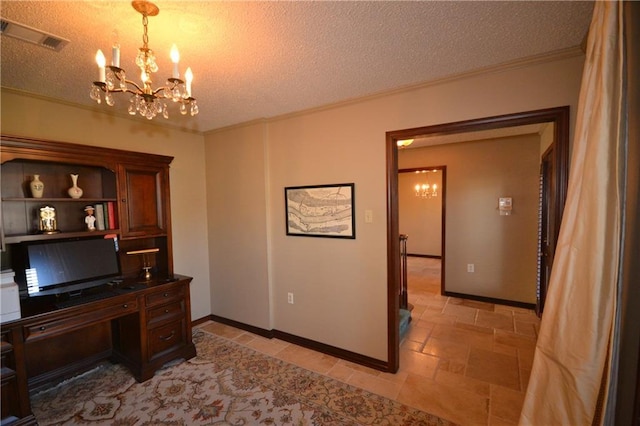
(74,191)
(36,186)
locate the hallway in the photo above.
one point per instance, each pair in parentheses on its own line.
(481,353)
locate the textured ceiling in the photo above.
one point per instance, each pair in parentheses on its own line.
(256,60)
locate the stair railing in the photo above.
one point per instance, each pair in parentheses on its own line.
(404,296)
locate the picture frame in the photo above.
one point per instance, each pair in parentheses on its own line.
(326,211)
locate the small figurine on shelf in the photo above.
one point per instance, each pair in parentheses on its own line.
(90,219)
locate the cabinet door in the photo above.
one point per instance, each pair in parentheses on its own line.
(144,200)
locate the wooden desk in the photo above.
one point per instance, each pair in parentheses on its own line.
(142,327)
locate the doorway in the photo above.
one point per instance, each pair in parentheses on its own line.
(557,191)
(422,196)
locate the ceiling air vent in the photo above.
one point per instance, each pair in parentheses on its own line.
(32,35)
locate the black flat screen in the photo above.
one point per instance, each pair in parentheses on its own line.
(76,263)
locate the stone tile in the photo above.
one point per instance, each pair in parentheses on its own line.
(446,349)
(267,346)
(418,363)
(497,421)
(437,318)
(475,328)
(375,384)
(464,383)
(526,316)
(464,333)
(418,309)
(526,328)
(505,349)
(436,301)
(493,367)
(516,340)
(398,377)
(307,358)
(497,320)
(525,358)
(476,304)
(504,309)
(506,404)
(525,375)
(340,372)
(444,400)
(461,312)
(452,366)
(418,331)
(411,345)
(244,339)
(222,330)
(357,367)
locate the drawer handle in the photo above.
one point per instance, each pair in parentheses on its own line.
(43,328)
(125,306)
(169,337)
(166,311)
(166,295)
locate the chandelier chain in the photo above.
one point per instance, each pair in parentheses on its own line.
(145,35)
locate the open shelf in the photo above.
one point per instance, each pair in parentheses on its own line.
(12,239)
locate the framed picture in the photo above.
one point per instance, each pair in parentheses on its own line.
(321,211)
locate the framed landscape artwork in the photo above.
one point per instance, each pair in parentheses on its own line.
(321,211)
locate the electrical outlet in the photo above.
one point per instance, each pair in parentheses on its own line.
(290,298)
(471,267)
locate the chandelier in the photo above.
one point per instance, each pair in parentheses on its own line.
(425,190)
(145,100)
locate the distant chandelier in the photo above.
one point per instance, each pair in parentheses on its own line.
(425,190)
(145,100)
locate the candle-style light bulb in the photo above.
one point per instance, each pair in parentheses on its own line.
(175,58)
(115,50)
(101,61)
(188,75)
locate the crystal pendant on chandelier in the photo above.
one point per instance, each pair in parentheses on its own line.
(145,100)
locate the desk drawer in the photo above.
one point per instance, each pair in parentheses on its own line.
(47,328)
(165,312)
(166,338)
(160,297)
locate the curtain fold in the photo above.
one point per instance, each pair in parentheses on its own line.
(571,361)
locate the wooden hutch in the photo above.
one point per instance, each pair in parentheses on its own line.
(143,328)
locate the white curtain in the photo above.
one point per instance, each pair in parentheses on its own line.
(572,360)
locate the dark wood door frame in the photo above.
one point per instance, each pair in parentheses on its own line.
(558,116)
(443,211)
(546,242)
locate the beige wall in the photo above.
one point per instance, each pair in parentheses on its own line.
(229,232)
(340,285)
(238,230)
(503,249)
(420,218)
(546,137)
(37,118)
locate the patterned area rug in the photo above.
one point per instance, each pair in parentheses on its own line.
(225,384)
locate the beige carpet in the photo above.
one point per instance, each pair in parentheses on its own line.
(225,384)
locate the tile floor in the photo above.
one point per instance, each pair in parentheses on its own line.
(465,361)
